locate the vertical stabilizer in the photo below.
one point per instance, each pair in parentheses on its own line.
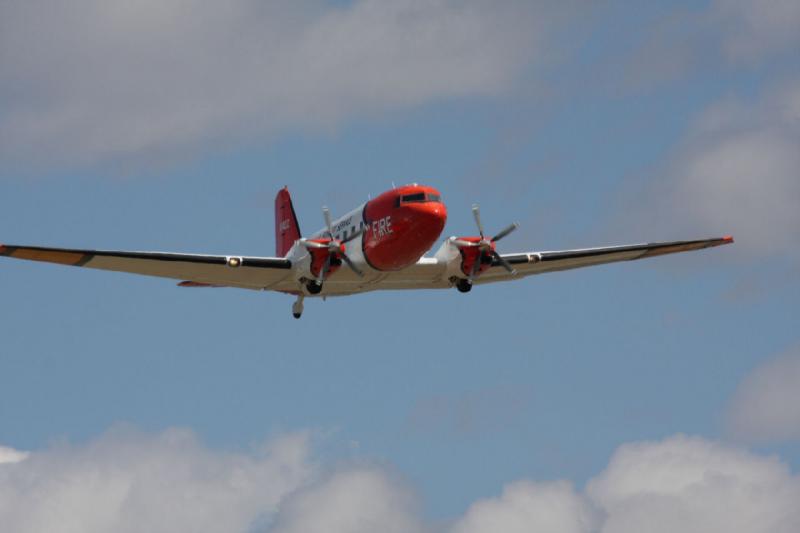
(287,230)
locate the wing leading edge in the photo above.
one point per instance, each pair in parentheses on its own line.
(202,270)
(530,263)
(273,273)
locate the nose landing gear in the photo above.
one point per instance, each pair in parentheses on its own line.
(297,306)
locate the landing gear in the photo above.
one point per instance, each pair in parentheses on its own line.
(297,306)
(464,285)
(313,287)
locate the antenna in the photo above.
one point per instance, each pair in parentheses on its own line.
(393,185)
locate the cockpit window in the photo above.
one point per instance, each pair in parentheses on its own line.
(410,198)
(417,198)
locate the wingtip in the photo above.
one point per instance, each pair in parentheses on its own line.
(727,239)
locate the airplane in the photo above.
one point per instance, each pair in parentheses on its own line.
(381,242)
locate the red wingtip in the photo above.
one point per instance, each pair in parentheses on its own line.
(2,249)
(728,238)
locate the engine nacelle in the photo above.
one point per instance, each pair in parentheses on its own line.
(320,255)
(476,255)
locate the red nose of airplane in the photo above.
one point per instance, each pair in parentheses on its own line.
(418,226)
(425,220)
(414,218)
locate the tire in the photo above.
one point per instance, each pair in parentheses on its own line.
(313,288)
(463,285)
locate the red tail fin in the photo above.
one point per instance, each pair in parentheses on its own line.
(287,230)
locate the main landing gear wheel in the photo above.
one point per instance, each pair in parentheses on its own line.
(464,285)
(314,287)
(297,307)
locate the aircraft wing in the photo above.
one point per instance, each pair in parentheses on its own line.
(198,270)
(530,263)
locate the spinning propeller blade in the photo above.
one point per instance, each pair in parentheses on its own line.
(325,269)
(326,213)
(505,232)
(464,244)
(503,263)
(352,266)
(476,212)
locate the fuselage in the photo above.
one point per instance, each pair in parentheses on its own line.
(397,228)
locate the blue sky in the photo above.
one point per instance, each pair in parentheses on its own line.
(589,125)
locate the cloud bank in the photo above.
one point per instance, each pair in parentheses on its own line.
(756,29)
(722,34)
(694,485)
(129,481)
(359,499)
(736,172)
(528,506)
(10,455)
(93,80)
(766,404)
(740,170)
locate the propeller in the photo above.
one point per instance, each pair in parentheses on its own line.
(486,245)
(335,247)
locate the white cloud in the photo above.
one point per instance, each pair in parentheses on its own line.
(354,500)
(754,29)
(10,455)
(737,172)
(128,481)
(92,80)
(694,485)
(678,484)
(525,506)
(766,404)
(722,34)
